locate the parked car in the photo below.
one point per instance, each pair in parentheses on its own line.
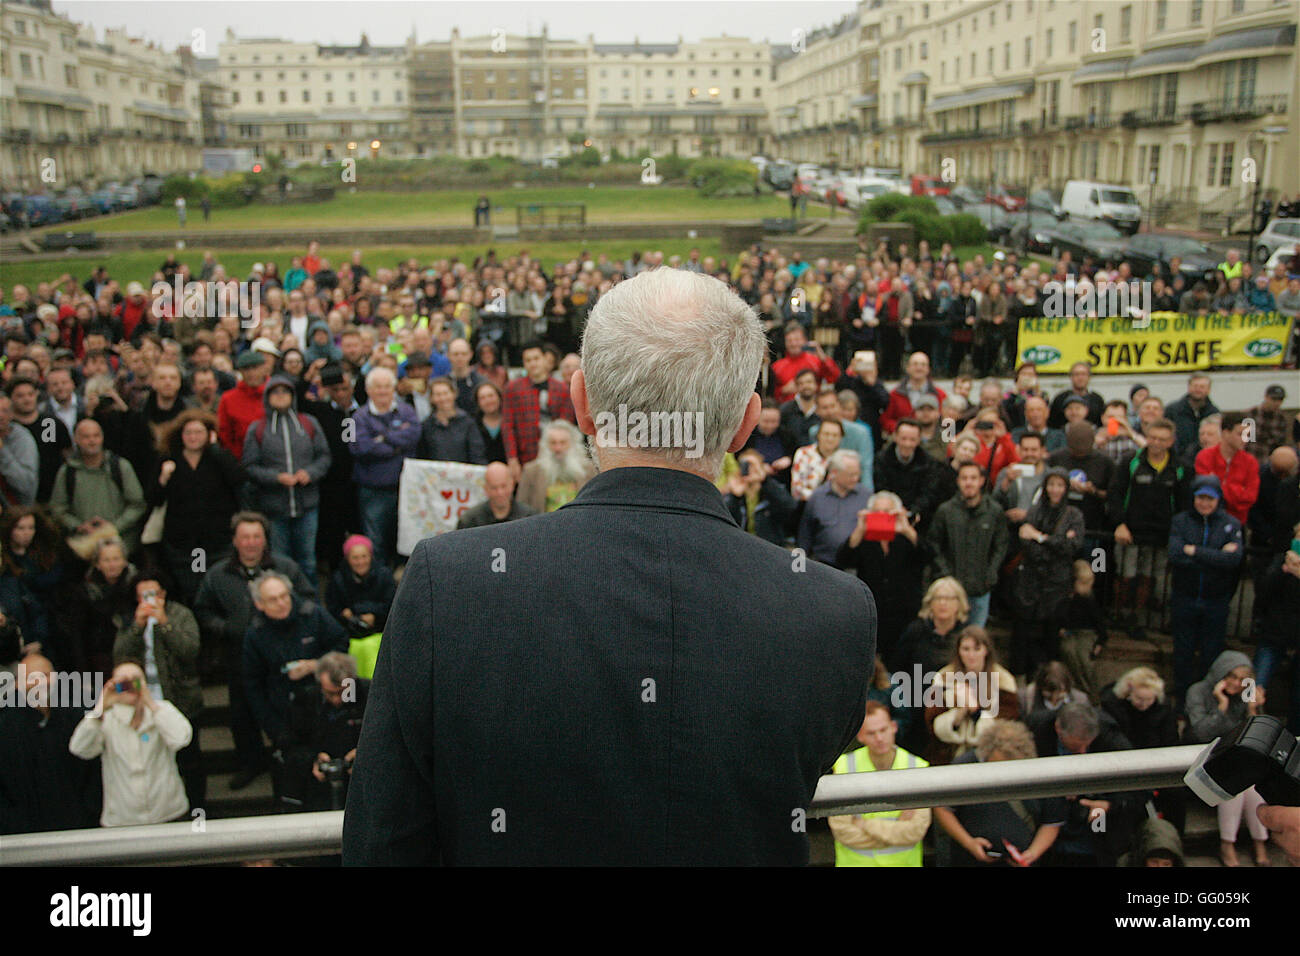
(1034,232)
(128,196)
(103,201)
(40,210)
(779,175)
(995,219)
(1147,249)
(1278,233)
(1285,255)
(945,205)
(1000,196)
(860,191)
(1117,205)
(808,172)
(929,186)
(830,190)
(965,196)
(1098,240)
(1043,200)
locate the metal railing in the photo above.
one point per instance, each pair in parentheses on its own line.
(321,834)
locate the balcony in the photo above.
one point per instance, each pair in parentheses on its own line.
(971,135)
(1237,108)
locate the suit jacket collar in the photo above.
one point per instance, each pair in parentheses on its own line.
(657,489)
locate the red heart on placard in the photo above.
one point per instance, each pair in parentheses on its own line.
(447,494)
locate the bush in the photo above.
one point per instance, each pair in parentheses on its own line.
(967,230)
(717,178)
(887,207)
(192,189)
(587,159)
(672,167)
(235,189)
(931,227)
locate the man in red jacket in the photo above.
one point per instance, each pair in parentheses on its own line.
(242,405)
(531,401)
(799,355)
(916,384)
(1237,471)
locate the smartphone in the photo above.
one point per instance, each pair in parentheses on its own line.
(744,468)
(1295,545)
(993,854)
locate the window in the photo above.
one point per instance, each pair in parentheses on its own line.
(25,64)
(704,124)
(1246,88)
(989,67)
(1194,17)
(972,64)
(1212,167)
(1225,178)
(20,27)
(1162,14)
(258,96)
(234,98)
(329,96)
(1029,50)
(284,96)
(352,96)
(735,93)
(1047,43)
(1171,94)
(1125,24)
(280,75)
(306,96)
(1073,35)
(898,59)
(303,75)
(257,76)
(925,50)
(1238,6)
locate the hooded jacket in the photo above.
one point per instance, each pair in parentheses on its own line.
(1153,836)
(1209,573)
(329,351)
(1045,575)
(1204,719)
(285,442)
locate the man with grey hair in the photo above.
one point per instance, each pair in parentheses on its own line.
(832,512)
(557,474)
(616,624)
(326,726)
(285,639)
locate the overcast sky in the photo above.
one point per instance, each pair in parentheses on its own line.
(170,22)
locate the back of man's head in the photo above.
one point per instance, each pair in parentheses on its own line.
(681,349)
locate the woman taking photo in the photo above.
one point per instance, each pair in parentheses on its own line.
(198,481)
(104,595)
(976,690)
(137,735)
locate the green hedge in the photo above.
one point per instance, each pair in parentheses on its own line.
(967,230)
(717,178)
(225,192)
(961,229)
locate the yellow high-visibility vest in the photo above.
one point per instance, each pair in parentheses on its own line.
(859,761)
(1232,271)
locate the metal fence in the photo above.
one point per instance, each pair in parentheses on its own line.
(321,834)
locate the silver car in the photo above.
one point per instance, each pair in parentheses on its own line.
(1279,233)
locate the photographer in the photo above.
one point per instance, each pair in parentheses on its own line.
(323,744)
(165,636)
(137,736)
(757,500)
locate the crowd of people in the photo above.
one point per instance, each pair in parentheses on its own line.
(190,500)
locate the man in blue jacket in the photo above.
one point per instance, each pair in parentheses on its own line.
(285,638)
(1205,551)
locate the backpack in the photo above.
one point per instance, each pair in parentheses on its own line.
(303,419)
(114,469)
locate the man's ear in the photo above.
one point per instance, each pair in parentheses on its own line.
(581,407)
(747,423)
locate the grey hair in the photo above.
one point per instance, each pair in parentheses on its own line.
(1010,738)
(671,341)
(98,384)
(1078,719)
(841,457)
(255,585)
(376,371)
(849,397)
(113,542)
(337,666)
(895,501)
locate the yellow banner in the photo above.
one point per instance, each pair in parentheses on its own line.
(1168,342)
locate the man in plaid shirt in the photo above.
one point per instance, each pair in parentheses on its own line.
(530,402)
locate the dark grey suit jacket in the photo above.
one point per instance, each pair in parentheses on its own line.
(629,680)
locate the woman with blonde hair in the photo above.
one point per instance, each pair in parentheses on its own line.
(925,646)
(975,689)
(1137,703)
(137,736)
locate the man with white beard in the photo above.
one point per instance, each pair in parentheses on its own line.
(560,469)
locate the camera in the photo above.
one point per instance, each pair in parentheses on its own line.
(744,468)
(124,686)
(1259,752)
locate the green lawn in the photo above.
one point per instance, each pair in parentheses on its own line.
(454,207)
(140,265)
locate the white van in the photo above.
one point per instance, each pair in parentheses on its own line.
(1117,205)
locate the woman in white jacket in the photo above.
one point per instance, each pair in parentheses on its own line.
(137,735)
